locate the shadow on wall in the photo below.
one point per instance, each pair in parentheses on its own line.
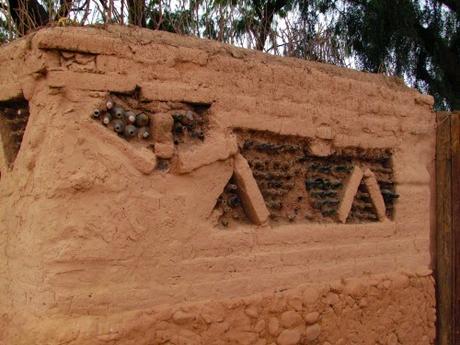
(14,116)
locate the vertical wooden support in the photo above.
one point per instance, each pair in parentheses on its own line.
(448,228)
(444,236)
(455,152)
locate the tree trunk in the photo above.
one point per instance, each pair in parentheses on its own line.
(27,15)
(265,13)
(136,12)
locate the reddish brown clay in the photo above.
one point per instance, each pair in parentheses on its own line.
(103,242)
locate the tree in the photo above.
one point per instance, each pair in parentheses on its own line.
(258,16)
(136,12)
(416,40)
(27,14)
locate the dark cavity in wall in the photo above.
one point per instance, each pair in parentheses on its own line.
(191,123)
(298,186)
(379,161)
(161,126)
(14,116)
(275,163)
(230,206)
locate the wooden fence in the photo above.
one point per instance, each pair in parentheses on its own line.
(448,228)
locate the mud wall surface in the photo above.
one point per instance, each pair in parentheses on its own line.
(158,189)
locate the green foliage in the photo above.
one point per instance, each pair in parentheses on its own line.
(407,38)
(417,40)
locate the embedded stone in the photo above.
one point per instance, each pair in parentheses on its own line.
(67,55)
(296,303)
(273,326)
(332,298)
(313,332)
(161,127)
(251,311)
(260,326)
(311,318)
(164,150)
(310,296)
(180,317)
(290,319)
(321,148)
(289,337)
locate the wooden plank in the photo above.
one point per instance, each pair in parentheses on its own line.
(351,189)
(455,152)
(251,197)
(376,195)
(444,253)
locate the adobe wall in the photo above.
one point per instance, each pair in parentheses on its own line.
(263,200)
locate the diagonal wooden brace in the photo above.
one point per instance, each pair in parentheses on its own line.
(251,197)
(350,191)
(376,195)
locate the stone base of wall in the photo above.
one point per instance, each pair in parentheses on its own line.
(389,309)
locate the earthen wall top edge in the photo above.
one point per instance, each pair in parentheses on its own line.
(109,37)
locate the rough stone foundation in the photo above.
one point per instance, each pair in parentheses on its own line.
(158,189)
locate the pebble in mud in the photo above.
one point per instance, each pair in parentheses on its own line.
(273,326)
(313,332)
(290,319)
(311,318)
(289,337)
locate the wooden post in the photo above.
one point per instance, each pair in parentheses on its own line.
(455,152)
(448,228)
(444,230)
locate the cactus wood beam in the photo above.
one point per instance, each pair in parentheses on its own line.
(251,197)
(350,191)
(376,195)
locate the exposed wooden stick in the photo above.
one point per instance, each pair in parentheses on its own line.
(350,191)
(376,195)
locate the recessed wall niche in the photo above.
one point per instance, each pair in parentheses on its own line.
(298,186)
(161,126)
(14,116)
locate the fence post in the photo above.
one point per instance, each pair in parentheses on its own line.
(444,235)
(455,190)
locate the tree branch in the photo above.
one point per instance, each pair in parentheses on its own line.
(27,15)
(453,5)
